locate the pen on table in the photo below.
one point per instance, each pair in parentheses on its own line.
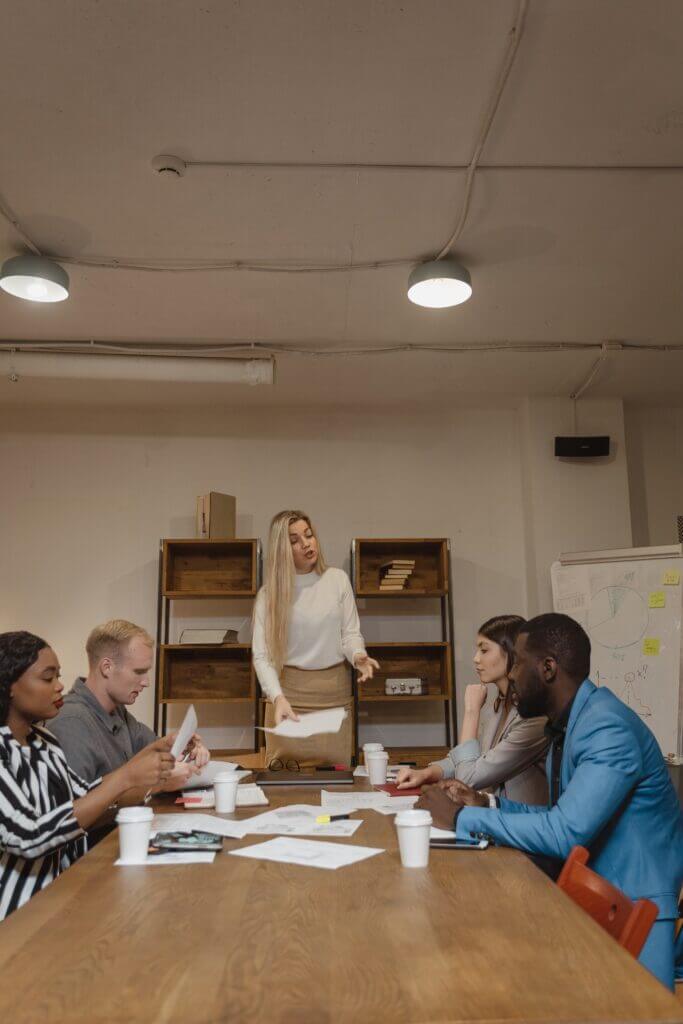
(325,819)
(331,768)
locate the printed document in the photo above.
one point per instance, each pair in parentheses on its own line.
(307,852)
(299,820)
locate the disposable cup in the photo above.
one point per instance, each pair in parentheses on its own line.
(135,826)
(377,761)
(225,792)
(369,748)
(413,828)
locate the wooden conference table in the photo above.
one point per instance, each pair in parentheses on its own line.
(477,936)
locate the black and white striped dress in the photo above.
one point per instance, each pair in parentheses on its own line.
(39,835)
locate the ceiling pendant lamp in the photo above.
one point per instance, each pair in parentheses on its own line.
(35,278)
(439,283)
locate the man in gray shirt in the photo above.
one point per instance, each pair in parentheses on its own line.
(97,732)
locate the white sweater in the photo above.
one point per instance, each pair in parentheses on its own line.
(323,627)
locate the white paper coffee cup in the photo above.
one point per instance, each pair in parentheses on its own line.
(135,827)
(377,762)
(413,828)
(225,792)
(369,748)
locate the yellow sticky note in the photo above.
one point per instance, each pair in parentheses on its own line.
(672,578)
(651,645)
(657,599)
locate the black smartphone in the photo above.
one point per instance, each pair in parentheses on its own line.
(184,841)
(457,844)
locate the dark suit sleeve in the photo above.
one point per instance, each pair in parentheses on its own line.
(608,766)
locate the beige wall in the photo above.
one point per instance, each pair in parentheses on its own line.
(88,494)
(654,437)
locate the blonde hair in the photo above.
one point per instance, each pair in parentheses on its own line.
(110,639)
(279,582)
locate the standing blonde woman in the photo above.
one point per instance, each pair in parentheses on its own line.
(305,625)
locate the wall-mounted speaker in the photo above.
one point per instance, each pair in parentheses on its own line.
(582,447)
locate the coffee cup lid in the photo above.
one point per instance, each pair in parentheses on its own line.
(377,755)
(228,776)
(373,746)
(413,817)
(134,814)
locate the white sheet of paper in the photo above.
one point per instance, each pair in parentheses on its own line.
(345,803)
(187,822)
(312,724)
(299,820)
(199,857)
(307,852)
(248,795)
(361,772)
(208,773)
(441,833)
(185,733)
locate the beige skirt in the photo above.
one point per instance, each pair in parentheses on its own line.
(309,690)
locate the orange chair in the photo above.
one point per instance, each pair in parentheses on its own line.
(627,922)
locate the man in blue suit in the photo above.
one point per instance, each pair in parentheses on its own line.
(609,787)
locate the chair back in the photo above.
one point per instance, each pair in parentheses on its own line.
(628,922)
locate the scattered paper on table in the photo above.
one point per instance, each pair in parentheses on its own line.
(441,833)
(312,724)
(308,853)
(200,857)
(346,803)
(361,772)
(188,822)
(397,803)
(299,820)
(185,733)
(248,795)
(208,773)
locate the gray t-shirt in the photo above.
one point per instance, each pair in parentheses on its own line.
(94,741)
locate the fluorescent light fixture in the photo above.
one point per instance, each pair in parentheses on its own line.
(35,278)
(439,283)
(18,365)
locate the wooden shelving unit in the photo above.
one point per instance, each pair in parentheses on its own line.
(204,673)
(433,662)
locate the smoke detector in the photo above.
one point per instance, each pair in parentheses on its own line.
(169,166)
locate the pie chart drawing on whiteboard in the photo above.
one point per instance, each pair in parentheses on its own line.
(617,617)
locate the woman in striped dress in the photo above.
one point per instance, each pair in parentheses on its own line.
(44,807)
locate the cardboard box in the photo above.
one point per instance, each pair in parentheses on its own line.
(216,516)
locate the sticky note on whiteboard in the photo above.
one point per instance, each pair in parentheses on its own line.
(672,578)
(657,599)
(651,645)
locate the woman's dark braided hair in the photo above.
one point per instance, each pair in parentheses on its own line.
(18,651)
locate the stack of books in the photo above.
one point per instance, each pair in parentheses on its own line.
(395,574)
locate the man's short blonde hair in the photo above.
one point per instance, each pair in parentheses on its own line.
(111,638)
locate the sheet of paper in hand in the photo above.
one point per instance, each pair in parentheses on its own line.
(185,733)
(313,724)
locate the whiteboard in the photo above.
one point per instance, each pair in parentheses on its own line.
(629,602)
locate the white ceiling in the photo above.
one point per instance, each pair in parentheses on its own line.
(93,90)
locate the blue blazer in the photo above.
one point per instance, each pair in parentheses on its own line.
(616,799)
